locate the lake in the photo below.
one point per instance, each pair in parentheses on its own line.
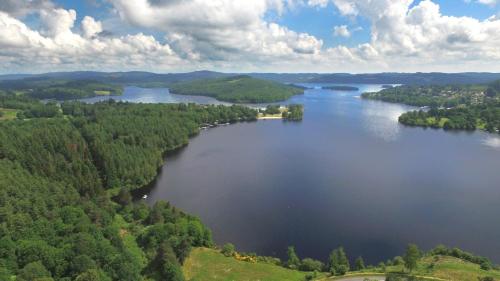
(347,175)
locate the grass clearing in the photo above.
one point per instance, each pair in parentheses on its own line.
(208,264)
(129,239)
(102,93)
(8,114)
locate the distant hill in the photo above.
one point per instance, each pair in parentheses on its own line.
(149,79)
(50,88)
(409,78)
(238,89)
(138,78)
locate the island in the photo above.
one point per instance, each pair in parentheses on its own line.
(451,107)
(341,88)
(237,89)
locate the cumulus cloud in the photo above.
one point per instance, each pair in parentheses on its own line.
(57,47)
(23,7)
(238,35)
(341,30)
(420,35)
(91,27)
(218,30)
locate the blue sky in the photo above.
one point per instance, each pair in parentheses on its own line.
(318,21)
(257,35)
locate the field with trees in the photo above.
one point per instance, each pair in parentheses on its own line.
(237,89)
(438,264)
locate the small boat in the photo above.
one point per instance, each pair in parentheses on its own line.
(145,196)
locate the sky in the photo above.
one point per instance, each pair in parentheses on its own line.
(325,36)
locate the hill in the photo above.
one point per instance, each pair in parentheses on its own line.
(210,264)
(51,88)
(149,79)
(433,78)
(238,89)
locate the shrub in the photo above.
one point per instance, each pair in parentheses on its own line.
(228,250)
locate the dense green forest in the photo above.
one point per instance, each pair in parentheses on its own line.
(237,89)
(464,107)
(57,219)
(47,88)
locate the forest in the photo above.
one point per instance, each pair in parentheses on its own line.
(237,89)
(456,107)
(65,203)
(49,88)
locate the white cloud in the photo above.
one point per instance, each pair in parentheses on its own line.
(487,2)
(22,7)
(237,35)
(57,47)
(90,27)
(318,3)
(219,30)
(57,21)
(341,30)
(423,38)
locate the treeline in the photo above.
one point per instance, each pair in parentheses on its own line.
(48,88)
(486,116)
(433,96)
(57,221)
(338,262)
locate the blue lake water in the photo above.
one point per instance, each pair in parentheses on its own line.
(348,175)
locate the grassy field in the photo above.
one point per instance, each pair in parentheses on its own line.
(8,114)
(445,268)
(208,264)
(450,268)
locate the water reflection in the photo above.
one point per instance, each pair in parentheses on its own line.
(492,141)
(381,119)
